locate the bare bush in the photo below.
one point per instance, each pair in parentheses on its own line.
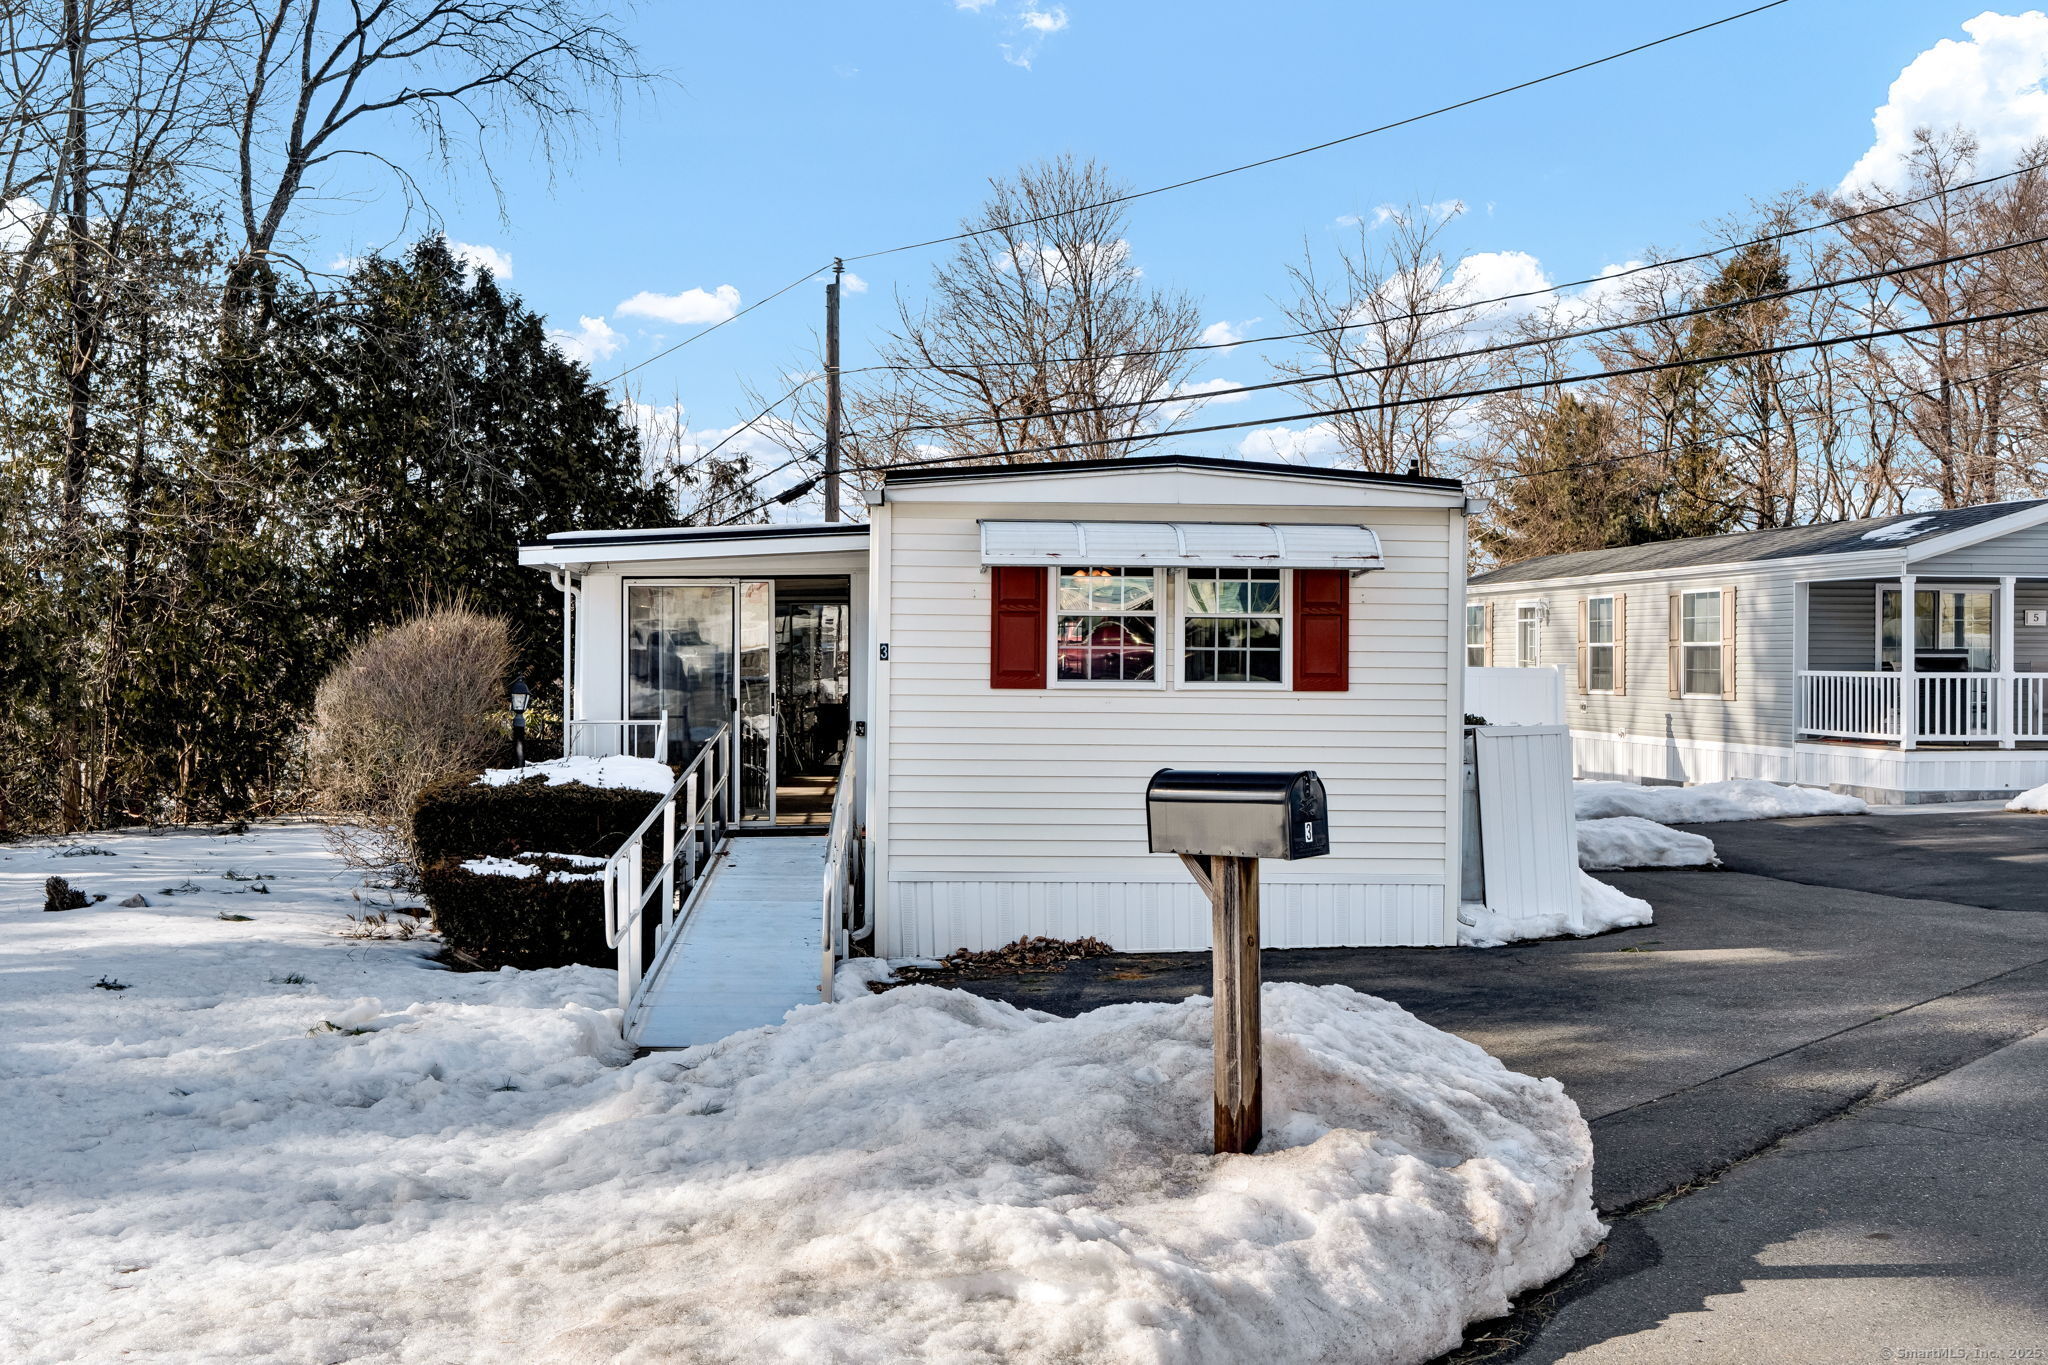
(414,703)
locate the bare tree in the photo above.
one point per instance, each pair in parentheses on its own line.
(316,78)
(1038,331)
(1391,322)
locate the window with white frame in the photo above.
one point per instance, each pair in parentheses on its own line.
(1106,624)
(1699,644)
(1601,644)
(1528,635)
(1231,626)
(1475,635)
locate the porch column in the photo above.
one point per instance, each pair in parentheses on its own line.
(1909,678)
(2008,689)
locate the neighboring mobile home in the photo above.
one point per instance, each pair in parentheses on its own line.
(1901,658)
(1013,650)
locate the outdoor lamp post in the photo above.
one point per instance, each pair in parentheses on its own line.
(521,696)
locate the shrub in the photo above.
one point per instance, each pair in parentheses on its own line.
(410,706)
(523,922)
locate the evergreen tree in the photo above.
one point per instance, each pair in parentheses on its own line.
(445,429)
(1570,486)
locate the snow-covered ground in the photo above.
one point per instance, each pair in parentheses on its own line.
(2035,800)
(1621,841)
(1601,907)
(1745,798)
(610,770)
(276,1143)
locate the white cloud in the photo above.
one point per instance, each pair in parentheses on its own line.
(1044,21)
(1990,85)
(1493,274)
(593,340)
(852,283)
(483,258)
(1227,333)
(1194,396)
(1056,270)
(1026,24)
(1316,444)
(690,306)
(1443,210)
(974,6)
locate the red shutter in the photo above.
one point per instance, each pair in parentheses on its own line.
(1322,630)
(1017,625)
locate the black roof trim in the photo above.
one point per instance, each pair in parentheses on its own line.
(679,535)
(1754,547)
(1013,471)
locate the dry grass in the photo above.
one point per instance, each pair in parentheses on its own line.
(411,705)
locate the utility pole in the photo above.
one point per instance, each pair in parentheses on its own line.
(832,392)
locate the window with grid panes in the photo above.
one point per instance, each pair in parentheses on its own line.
(1231,626)
(1699,644)
(1107,624)
(1600,644)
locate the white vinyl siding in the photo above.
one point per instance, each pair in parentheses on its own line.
(987,788)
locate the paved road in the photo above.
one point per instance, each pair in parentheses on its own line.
(1992,858)
(1913,1226)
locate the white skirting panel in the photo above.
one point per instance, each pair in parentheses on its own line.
(1875,772)
(1645,758)
(931,919)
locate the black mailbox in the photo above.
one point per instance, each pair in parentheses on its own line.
(1237,815)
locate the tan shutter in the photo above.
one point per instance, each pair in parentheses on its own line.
(1621,644)
(1582,644)
(1727,644)
(1671,634)
(1487,633)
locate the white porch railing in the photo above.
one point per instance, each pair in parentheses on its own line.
(842,874)
(687,853)
(584,736)
(1948,707)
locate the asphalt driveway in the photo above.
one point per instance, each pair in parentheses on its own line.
(1992,858)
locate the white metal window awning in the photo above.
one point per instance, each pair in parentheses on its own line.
(1206,544)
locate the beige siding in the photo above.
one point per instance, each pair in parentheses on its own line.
(986,786)
(1763,711)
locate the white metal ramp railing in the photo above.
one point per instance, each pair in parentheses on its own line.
(688,855)
(842,883)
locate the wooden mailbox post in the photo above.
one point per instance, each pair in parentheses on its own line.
(1221,824)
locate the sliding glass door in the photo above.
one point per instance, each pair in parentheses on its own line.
(704,654)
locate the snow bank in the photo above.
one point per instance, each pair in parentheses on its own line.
(612,770)
(1900,530)
(1621,841)
(525,865)
(2035,800)
(1601,907)
(1742,799)
(281,1146)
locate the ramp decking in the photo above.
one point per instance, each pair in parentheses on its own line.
(749,951)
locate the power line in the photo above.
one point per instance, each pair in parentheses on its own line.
(699,336)
(1333,142)
(1491,391)
(1495,349)
(795,389)
(1670,263)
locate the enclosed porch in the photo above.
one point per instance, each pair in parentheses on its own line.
(1912,661)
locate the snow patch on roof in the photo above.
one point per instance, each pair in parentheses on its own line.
(1901,530)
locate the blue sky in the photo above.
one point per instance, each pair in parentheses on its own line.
(798,131)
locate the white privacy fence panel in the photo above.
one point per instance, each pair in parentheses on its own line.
(1528,836)
(1515,696)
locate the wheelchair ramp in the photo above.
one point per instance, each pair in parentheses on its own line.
(749,951)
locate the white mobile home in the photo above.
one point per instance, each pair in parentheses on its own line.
(1006,655)
(1900,658)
